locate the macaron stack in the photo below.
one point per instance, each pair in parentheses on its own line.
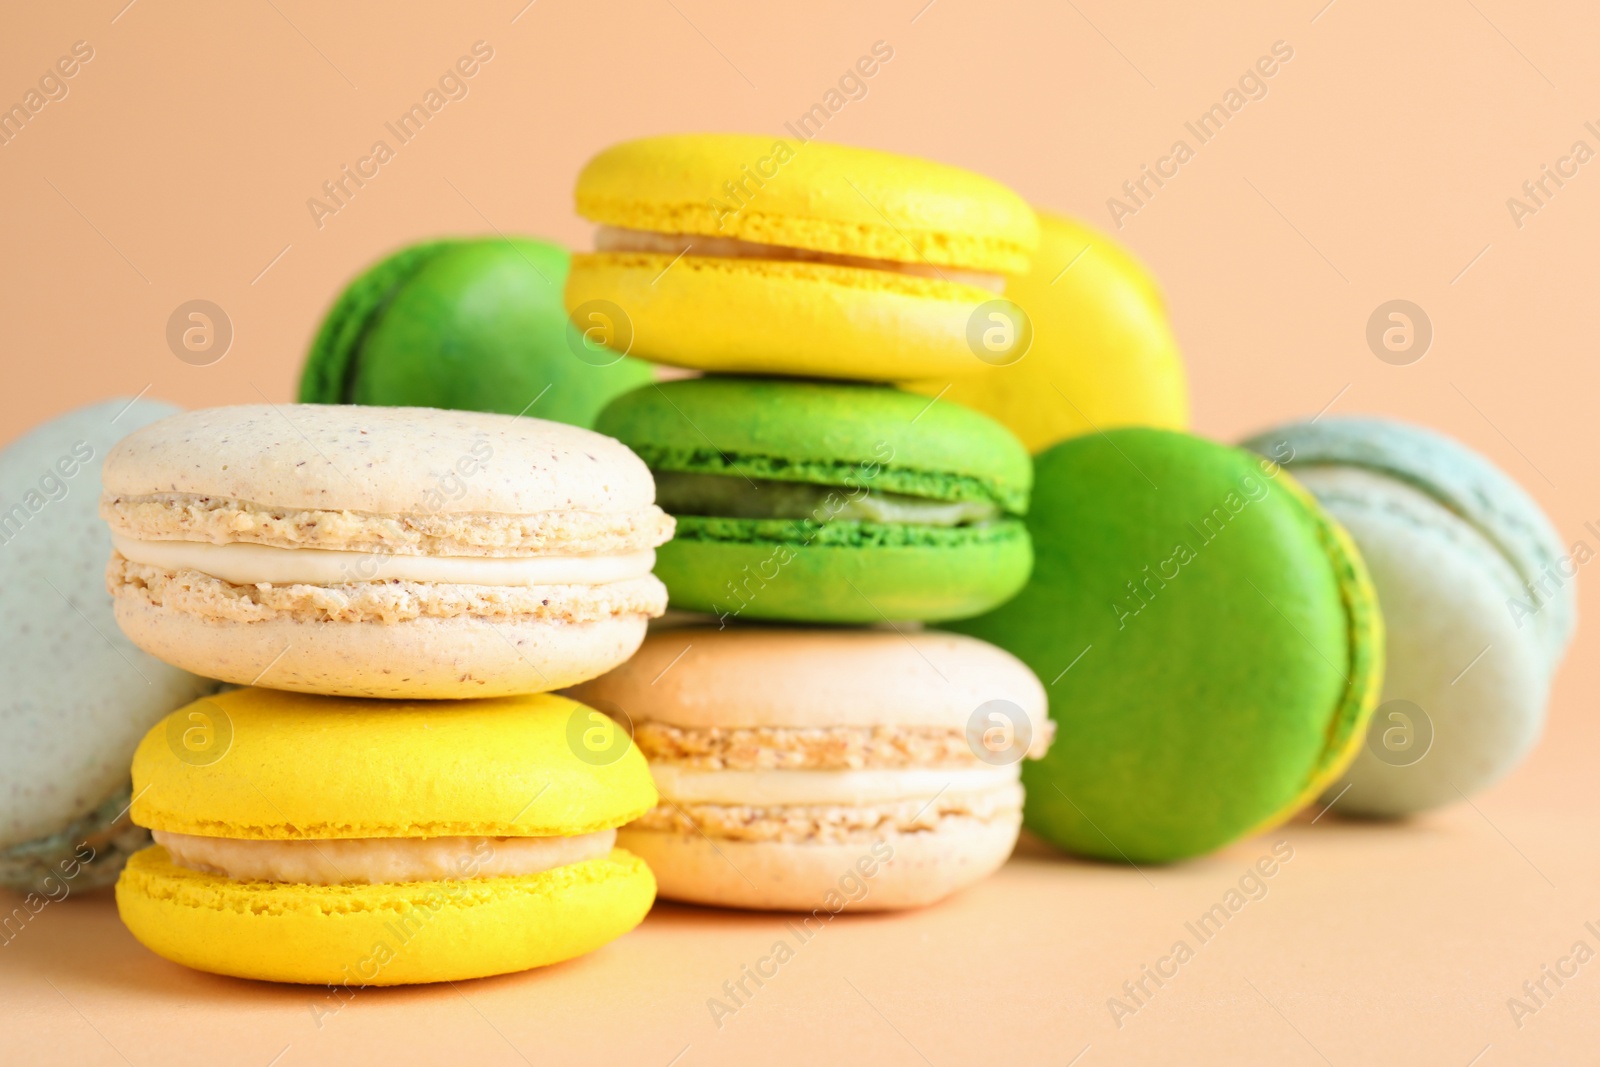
(439,571)
(802,276)
(397,795)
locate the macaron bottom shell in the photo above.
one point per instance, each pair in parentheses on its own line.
(899,871)
(427,658)
(364,935)
(842,572)
(783,318)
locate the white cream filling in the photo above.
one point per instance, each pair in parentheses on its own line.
(621,239)
(248,564)
(376,860)
(849,788)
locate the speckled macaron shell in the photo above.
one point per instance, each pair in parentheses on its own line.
(824,197)
(500,767)
(779,315)
(75,694)
(381,461)
(1453,545)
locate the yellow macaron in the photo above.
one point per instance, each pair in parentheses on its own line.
(1102,353)
(753,254)
(373,842)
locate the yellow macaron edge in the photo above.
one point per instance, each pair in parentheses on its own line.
(359,935)
(1103,352)
(289,766)
(783,317)
(1347,723)
(806,194)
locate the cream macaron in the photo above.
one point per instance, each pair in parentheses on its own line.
(381,552)
(804,769)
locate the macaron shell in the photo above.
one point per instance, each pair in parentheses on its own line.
(846,573)
(825,197)
(1461,481)
(331,363)
(76,695)
(1103,353)
(1455,654)
(1188,566)
(470,324)
(361,935)
(781,317)
(293,767)
(829,433)
(447,658)
(704,677)
(378,460)
(921,869)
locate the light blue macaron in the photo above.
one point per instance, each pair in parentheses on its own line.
(75,695)
(1478,597)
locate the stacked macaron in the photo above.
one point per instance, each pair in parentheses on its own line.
(803,276)
(407,560)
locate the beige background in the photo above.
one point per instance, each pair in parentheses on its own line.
(1377,167)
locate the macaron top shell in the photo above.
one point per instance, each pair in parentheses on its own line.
(824,433)
(379,460)
(1461,480)
(294,766)
(702,677)
(823,197)
(75,694)
(331,364)
(1209,639)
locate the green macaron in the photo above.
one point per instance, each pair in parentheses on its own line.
(474,324)
(1208,637)
(827,501)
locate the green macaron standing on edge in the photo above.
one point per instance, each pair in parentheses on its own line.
(829,502)
(475,324)
(1208,637)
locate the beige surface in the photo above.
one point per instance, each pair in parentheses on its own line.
(1377,167)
